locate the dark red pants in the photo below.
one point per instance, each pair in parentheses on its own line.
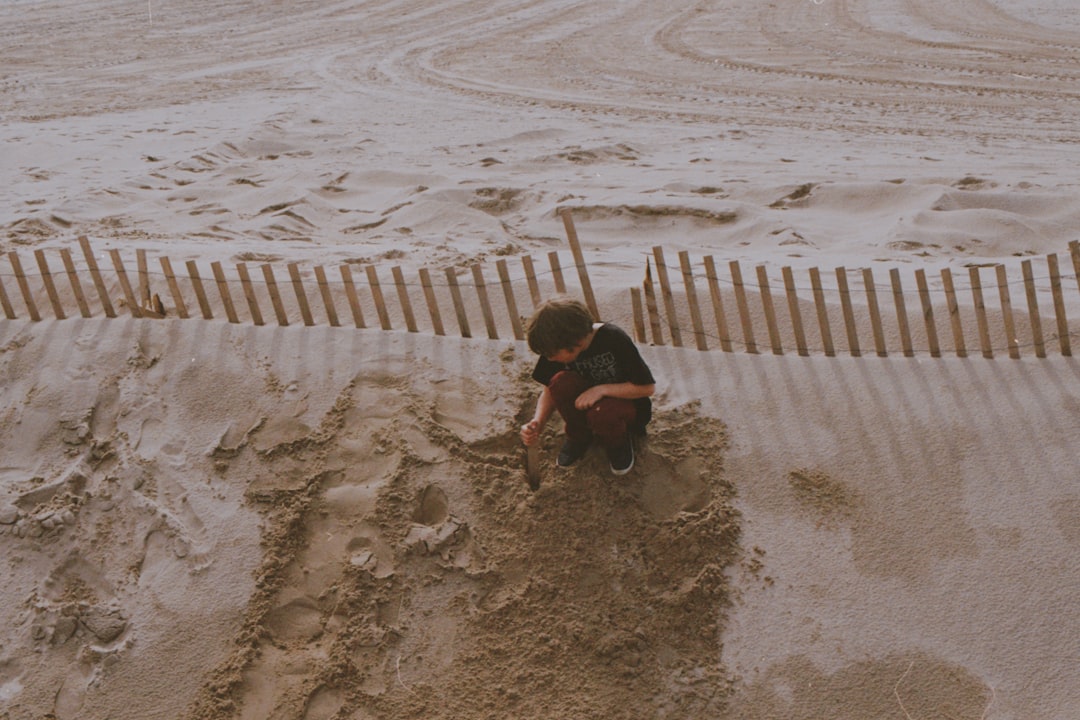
(607,421)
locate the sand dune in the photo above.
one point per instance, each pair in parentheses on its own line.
(204,521)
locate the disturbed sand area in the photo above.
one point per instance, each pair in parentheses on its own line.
(202,521)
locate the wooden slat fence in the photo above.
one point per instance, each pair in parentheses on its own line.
(719,306)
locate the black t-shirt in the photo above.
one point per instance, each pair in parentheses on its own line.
(611,357)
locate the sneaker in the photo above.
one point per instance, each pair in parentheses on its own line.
(621,457)
(571,452)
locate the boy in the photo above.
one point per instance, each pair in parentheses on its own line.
(594,376)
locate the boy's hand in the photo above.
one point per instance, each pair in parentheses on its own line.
(589,398)
(530,433)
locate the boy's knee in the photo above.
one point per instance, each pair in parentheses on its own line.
(567,381)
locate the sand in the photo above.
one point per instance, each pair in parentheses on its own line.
(204,521)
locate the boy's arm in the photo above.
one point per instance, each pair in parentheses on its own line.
(545,406)
(625,390)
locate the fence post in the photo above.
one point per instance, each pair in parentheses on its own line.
(717,303)
(793,310)
(511,302)
(327,296)
(121,274)
(743,305)
(770,311)
(223,290)
(822,312)
(530,278)
(650,305)
(377,296)
(301,294)
(459,304)
(954,312)
(432,301)
(95,273)
(485,303)
(144,278)
(50,287)
(350,293)
(1007,312)
(875,312)
(556,272)
(249,294)
(692,300)
(901,313)
(1033,309)
(24,286)
(849,312)
(928,313)
(1059,305)
(669,299)
(174,287)
(403,298)
(76,285)
(5,301)
(980,312)
(579,261)
(275,296)
(639,315)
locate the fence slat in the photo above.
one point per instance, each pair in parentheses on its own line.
(327,296)
(249,294)
(980,312)
(849,312)
(485,302)
(76,284)
(377,296)
(556,272)
(954,313)
(822,312)
(875,312)
(793,311)
(403,298)
(432,301)
(508,296)
(144,278)
(1033,309)
(530,278)
(928,313)
(692,300)
(1059,305)
(1007,312)
(24,286)
(275,294)
(770,311)
(121,274)
(579,262)
(350,293)
(718,304)
(200,291)
(223,290)
(50,287)
(174,287)
(301,294)
(901,313)
(650,305)
(669,299)
(639,315)
(459,303)
(5,301)
(743,306)
(95,274)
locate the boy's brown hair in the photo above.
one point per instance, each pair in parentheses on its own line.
(558,324)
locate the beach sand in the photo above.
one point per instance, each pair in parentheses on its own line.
(202,520)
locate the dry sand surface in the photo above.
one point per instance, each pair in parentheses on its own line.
(202,521)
